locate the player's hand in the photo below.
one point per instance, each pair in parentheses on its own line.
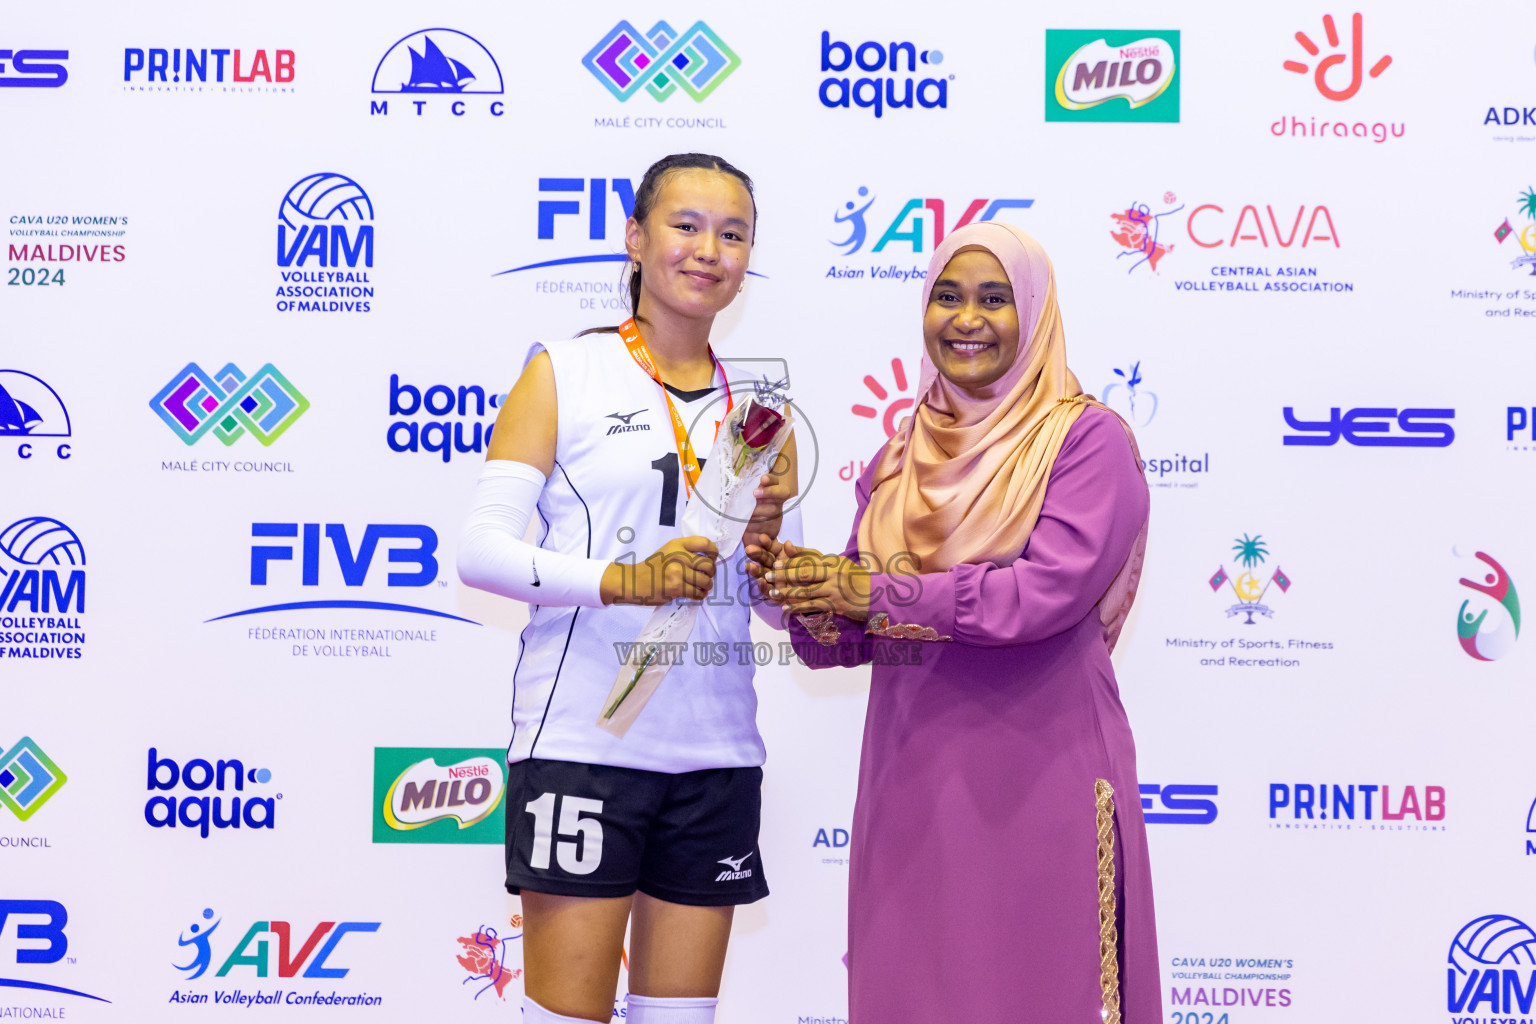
(805,581)
(684,568)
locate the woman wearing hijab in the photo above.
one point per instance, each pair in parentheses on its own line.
(999,866)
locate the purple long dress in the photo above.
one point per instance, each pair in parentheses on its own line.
(975,891)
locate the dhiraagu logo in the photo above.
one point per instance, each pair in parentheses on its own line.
(438,794)
(1097,75)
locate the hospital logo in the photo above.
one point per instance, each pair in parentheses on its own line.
(1488,622)
(1134,403)
(661,61)
(1250,586)
(1094,75)
(29,410)
(434,65)
(28,778)
(229,404)
(1525,236)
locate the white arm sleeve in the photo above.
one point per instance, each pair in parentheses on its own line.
(493,555)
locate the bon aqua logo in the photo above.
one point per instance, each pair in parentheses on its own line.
(1487,625)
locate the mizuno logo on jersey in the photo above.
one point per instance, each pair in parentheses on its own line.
(624,426)
(734,870)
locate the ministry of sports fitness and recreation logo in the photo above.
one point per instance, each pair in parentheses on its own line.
(484,955)
(229,404)
(438,795)
(918,226)
(1250,554)
(661,61)
(33,416)
(42,590)
(1488,622)
(434,65)
(1525,236)
(1492,969)
(1097,75)
(325,246)
(155,69)
(28,778)
(1321,61)
(32,69)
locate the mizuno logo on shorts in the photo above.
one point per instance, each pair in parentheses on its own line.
(734,872)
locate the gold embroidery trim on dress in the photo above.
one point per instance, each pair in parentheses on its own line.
(880,624)
(822,628)
(1109,938)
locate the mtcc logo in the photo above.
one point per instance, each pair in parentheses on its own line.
(24,69)
(1354,58)
(1250,553)
(29,409)
(229,404)
(1488,624)
(1491,967)
(28,778)
(661,61)
(325,221)
(437,62)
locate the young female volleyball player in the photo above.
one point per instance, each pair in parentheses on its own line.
(659,828)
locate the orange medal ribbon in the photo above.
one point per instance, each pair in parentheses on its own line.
(642,356)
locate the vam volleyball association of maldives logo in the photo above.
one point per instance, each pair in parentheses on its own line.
(1488,623)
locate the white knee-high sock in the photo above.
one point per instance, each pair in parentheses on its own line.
(655,1010)
(533,1013)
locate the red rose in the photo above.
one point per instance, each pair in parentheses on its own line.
(760,426)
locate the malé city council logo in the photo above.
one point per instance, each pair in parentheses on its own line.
(1482,637)
(1094,75)
(28,778)
(1251,553)
(661,61)
(229,404)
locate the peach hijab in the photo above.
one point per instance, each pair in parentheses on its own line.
(964,479)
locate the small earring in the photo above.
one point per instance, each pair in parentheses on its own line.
(742,288)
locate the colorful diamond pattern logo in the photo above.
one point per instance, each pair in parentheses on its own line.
(229,404)
(662,61)
(28,778)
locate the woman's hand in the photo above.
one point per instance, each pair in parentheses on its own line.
(684,567)
(805,581)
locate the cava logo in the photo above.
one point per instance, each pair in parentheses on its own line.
(661,61)
(1491,967)
(484,956)
(438,62)
(1093,75)
(1248,587)
(325,222)
(190,807)
(42,592)
(438,795)
(1488,623)
(28,778)
(229,404)
(30,409)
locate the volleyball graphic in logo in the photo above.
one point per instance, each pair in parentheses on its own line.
(324,197)
(38,539)
(1491,941)
(1489,624)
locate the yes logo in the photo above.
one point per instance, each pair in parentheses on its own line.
(1488,624)
(1182,804)
(29,69)
(1372,428)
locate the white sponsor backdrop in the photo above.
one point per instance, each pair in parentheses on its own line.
(1414,304)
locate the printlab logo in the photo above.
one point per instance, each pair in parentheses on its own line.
(313,955)
(30,69)
(1373,428)
(1337,84)
(437,62)
(877,92)
(229,404)
(41,573)
(1182,804)
(1324,802)
(202,70)
(189,806)
(1491,967)
(31,409)
(1516,419)
(1088,71)
(1526,236)
(1250,553)
(661,61)
(30,931)
(1488,623)
(437,795)
(442,421)
(1126,397)
(28,778)
(325,221)
(484,956)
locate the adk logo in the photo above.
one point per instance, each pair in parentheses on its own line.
(1488,622)
(1128,398)
(42,590)
(438,795)
(888,76)
(1097,75)
(28,778)
(40,939)
(1250,553)
(189,805)
(484,956)
(30,410)
(438,63)
(1492,967)
(661,61)
(325,223)
(1526,237)
(229,404)
(33,69)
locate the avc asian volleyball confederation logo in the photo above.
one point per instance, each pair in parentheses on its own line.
(1489,624)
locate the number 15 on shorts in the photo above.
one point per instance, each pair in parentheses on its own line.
(579,855)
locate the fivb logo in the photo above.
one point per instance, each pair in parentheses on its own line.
(29,932)
(28,778)
(30,408)
(200,812)
(661,61)
(229,404)
(25,69)
(1492,968)
(877,92)
(312,956)
(326,221)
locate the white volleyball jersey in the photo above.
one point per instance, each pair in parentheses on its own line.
(616,493)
